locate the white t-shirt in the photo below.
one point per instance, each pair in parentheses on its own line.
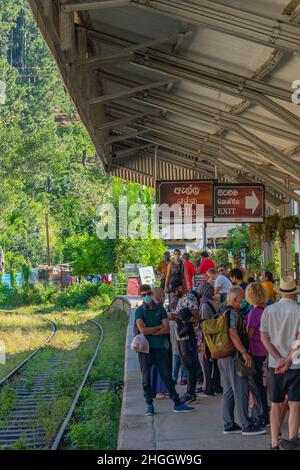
(224,283)
(282,323)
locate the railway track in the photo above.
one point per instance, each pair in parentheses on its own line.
(21,425)
(19,366)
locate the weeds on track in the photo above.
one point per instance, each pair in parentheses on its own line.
(96,421)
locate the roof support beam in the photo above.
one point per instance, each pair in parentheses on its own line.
(208,170)
(278,110)
(121,137)
(159,99)
(96,5)
(49,20)
(233,84)
(176,130)
(229,156)
(178,147)
(98,60)
(224,80)
(164,125)
(131,150)
(210,77)
(260,29)
(122,121)
(127,93)
(273,155)
(261,174)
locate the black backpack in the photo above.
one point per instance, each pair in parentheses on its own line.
(183,327)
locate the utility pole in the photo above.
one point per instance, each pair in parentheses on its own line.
(47,223)
(47,237)
(2,261)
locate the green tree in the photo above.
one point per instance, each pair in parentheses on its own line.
(239,244)
(48,164)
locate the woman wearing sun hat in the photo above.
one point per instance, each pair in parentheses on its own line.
(280,329)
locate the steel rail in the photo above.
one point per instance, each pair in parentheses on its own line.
(27,359)
(20,423)
(69,415)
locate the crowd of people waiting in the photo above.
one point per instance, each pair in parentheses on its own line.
(259,360)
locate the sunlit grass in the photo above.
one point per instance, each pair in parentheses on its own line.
(71,347)
(21,335)
(97,419)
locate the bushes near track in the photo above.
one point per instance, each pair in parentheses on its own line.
(76,295)
(93,295)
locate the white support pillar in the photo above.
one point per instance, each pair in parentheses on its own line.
(297,243)
(286,260)
(268,249)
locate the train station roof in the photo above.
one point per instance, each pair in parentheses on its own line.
(184,89)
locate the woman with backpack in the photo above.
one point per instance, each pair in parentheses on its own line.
(210,366)
(256,296)
(176,273)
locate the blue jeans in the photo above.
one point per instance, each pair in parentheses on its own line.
(177,364)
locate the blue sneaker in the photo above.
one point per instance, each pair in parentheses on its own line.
(187,399)
(182,408)
(149,411)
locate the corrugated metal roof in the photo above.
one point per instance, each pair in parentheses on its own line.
(207,82)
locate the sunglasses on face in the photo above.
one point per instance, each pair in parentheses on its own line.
(146,293)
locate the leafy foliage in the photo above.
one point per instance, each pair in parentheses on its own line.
(41,147)
(220,256)
(80,294)
(48,166)
(36,294)
(239,244)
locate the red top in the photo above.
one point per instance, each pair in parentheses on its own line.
(205,265)
(191,270)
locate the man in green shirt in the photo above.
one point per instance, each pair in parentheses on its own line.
(152,321)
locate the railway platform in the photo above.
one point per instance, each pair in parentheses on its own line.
(200,430)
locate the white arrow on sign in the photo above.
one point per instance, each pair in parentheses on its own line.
(251,202)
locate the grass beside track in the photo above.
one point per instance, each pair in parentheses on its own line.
(95,424)
(21,335)
(96,421)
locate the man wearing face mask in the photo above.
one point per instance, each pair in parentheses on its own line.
(152,321)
